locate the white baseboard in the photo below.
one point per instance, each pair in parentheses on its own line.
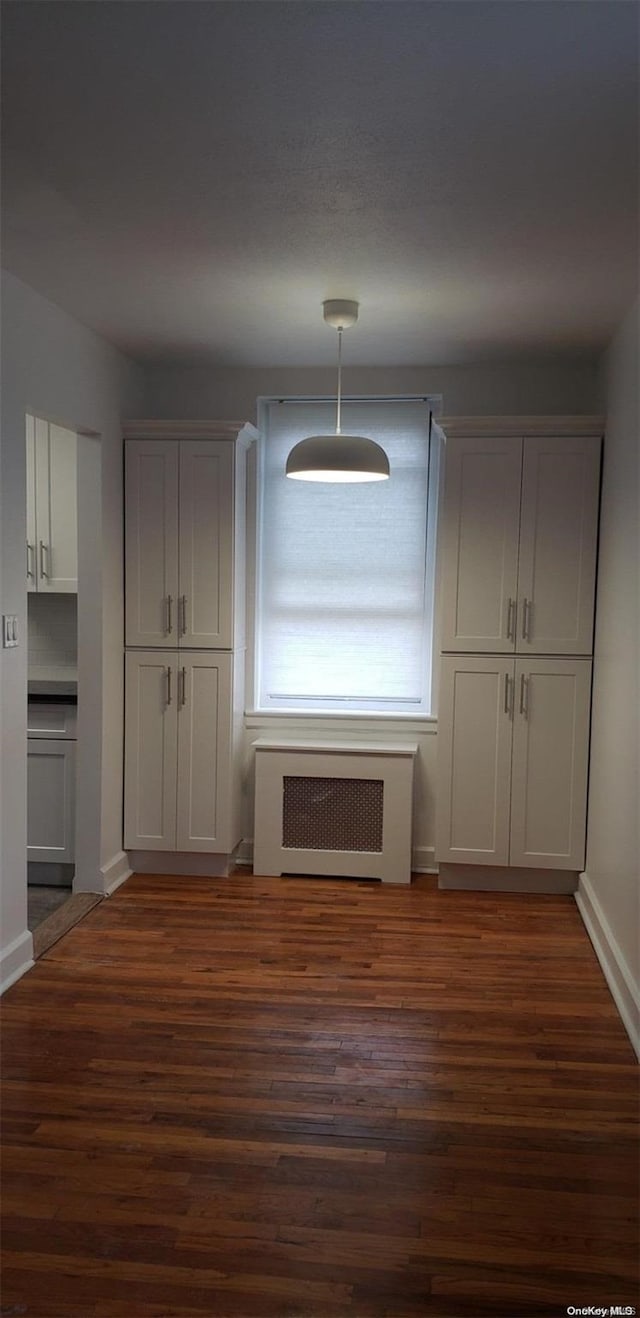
(16,959)
(244,854)
(187,864)
(117,871)
(489,878)
(423,859)
(624,990)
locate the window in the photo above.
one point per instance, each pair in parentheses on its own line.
(345,573)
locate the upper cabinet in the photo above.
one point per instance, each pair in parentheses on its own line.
(519,543)
(184,530)
(52,512)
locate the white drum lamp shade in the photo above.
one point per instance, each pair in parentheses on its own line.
(338,458)
(347,458)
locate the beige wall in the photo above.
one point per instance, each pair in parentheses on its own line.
(56,368)
(609,894)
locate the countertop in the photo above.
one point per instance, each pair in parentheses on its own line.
(53,681)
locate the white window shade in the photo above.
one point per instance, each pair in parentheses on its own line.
(345,581)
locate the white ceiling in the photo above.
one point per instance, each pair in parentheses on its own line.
(193,179)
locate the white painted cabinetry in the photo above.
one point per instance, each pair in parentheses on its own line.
(151,542)
(51,800)
(550,762)
(519,542)
(518,563)
(480,530)
(512,776)
(181,529)
(178,747)
(52,514)
(184,666)
(51,761)
(474,759)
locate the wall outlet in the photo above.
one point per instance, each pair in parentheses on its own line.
(9,630)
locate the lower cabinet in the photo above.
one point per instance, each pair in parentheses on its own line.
(513,744)
(178,749)
(51,800)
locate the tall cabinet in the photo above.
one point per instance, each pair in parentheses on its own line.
(517,572)
(185,485)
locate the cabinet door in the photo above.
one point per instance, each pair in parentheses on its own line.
(481,514)
(32,546)
(204,752)
(474,760)
(151,542)
(206,544)
(150,750)
(550,760)
(56,452)
(51,800)
(558,539)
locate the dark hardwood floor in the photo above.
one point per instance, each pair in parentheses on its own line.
(299,1097)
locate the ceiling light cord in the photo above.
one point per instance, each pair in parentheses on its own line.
(339,403)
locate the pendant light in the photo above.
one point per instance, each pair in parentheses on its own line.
(338,457)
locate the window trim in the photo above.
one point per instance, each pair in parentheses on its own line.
(290,713)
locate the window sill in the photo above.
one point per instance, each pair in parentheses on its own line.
(362,719)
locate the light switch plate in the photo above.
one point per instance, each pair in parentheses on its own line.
(9,630)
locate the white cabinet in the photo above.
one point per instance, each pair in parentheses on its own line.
(185,610)
(184,521)
(512,764)
(550,762)
(474,760)
(52,515)
(519,543)
(480,529)
(518,562)
(151,744)
(178,744)
(558,545)
(151,542)
(51,800)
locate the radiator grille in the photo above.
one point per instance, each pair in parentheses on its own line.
(332,814)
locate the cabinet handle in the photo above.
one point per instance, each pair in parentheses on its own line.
(30,551)
(44,549)
(169,685)
(524,695)
(183,615)
(526,619)
(511,619)
(169,614)
(507,703)
(183,686)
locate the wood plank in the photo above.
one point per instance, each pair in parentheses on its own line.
(258,1097)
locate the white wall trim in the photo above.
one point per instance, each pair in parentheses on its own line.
(16,959)
(454,877)
(184,864)
(364,721)
(423,859)
(152,429)
(522,425)
(624,991)
(117,871)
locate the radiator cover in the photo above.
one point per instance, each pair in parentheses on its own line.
(334,808)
